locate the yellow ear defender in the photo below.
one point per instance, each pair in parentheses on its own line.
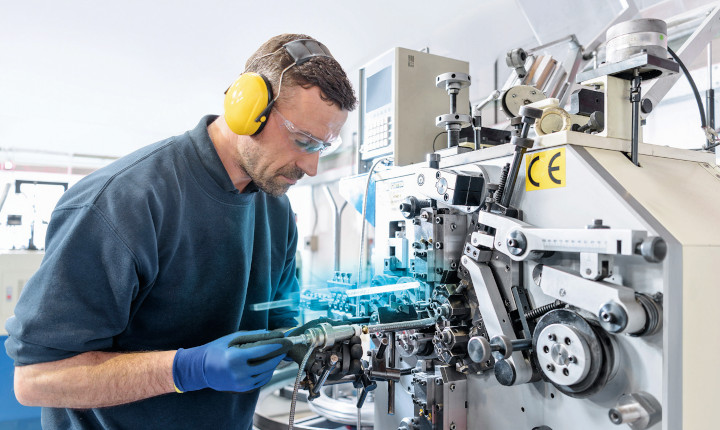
(246,104)
(249,99)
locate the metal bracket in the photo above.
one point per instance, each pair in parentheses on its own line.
(464,192)
(496,319)
(615,305)
(521,241)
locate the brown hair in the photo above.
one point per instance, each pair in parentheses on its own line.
(322,72)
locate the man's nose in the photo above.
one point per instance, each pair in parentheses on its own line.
(309,163)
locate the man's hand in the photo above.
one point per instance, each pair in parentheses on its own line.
(227,364)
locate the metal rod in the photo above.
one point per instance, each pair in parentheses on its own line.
(710,94)
(404,325)
(635,100)
(453,135)
(391,397)
(391,365)
(512,175)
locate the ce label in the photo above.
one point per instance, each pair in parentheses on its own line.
(545,170)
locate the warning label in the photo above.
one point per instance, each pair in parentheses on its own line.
(545,170)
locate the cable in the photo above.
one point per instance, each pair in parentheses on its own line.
(362,222)
(293,402)
(691,81)
(436,136)
(315,209)
(696,93)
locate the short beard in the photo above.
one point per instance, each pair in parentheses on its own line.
(273,185)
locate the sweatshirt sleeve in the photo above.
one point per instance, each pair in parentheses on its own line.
(80,297)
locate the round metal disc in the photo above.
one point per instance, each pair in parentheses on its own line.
(454,79)
(563,354)
(520,95)
(601,351)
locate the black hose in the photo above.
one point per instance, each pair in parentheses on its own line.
(691,81)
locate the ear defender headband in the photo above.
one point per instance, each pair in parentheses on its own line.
(249,99)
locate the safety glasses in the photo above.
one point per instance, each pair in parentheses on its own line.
(304,141)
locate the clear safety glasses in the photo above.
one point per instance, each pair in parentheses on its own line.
(305,141)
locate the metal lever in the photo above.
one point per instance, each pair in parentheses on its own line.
(333,362)
(363,381)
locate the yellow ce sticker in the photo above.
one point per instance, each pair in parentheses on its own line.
(545,170)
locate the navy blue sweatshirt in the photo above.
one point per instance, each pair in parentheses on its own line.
(157,251)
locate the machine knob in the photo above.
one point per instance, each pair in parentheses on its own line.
(480,349)
(530,113)
(505,372)
(653,249)
(637,410)
(411,207)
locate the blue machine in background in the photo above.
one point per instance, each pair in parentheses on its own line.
(13,415)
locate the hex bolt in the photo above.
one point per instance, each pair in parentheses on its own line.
(452,387)
(452,426)
(562,292)
(453,226)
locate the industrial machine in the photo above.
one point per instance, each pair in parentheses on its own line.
(394,95)
(563,280)
(16,267)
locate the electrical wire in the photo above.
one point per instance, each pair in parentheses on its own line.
(698,99)
(691,81)
(315,209)
(362,222)
(435,139)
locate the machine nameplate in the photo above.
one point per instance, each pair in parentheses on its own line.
(545,170)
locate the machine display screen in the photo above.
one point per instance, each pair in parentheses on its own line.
(378,89)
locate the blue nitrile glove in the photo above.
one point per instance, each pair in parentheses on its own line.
(237,362)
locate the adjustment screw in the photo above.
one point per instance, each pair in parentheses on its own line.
(452,387)
(550,368)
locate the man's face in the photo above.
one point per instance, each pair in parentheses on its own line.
(273,159)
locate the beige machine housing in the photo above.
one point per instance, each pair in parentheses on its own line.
(399,91)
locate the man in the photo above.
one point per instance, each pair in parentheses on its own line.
(153,263)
